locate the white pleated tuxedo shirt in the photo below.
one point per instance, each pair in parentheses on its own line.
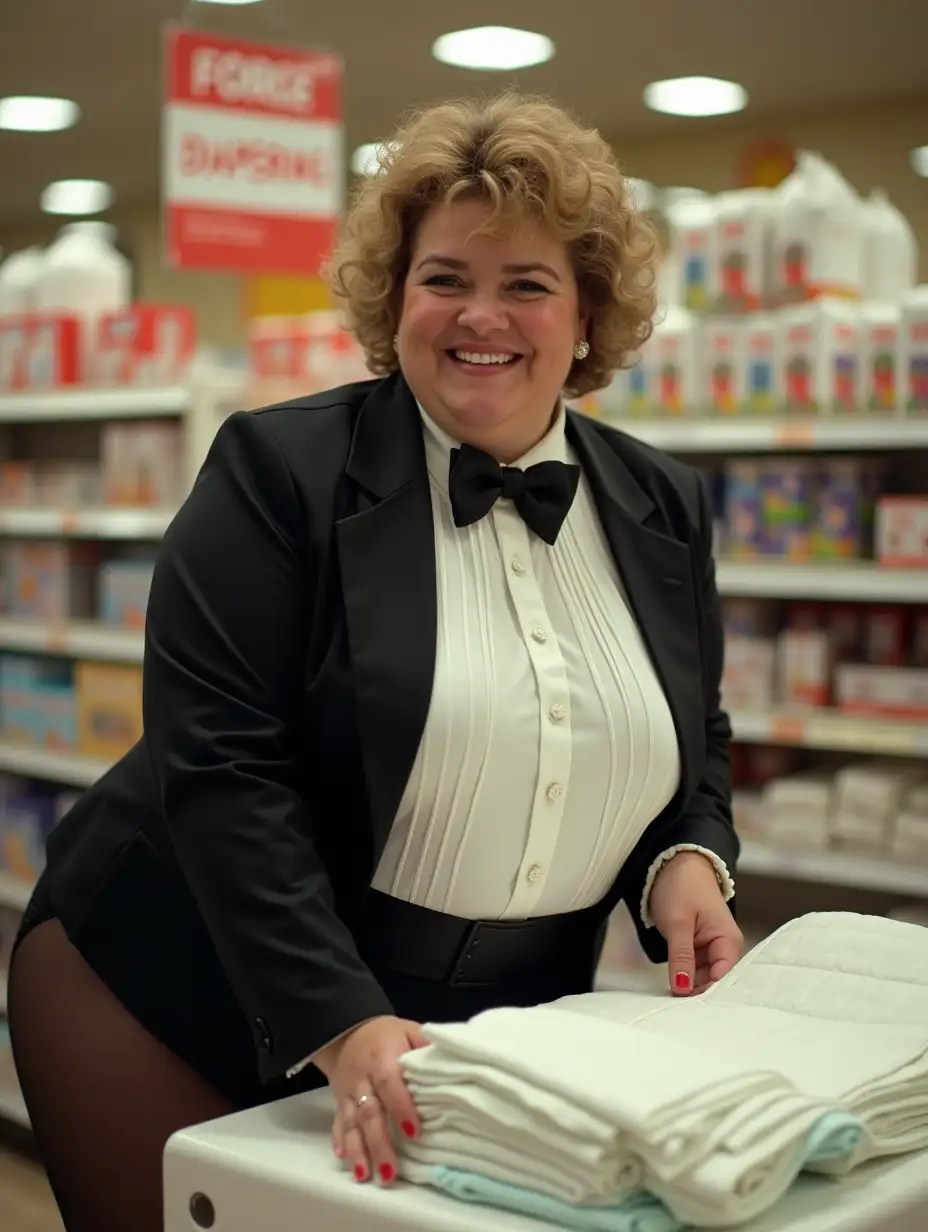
(549,745)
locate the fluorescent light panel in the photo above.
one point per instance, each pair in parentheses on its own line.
(77,197)
(695,96)
(26,113)
(493,48)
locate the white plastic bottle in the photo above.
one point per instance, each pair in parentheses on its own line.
(19,274)
(890,250)
(83,273)
(819,234)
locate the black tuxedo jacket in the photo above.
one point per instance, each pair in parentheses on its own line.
(289,657)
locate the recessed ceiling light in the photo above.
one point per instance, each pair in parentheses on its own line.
(26,114)
(695,96)
(493,47)
(366,158)
(918,160)
(76,197)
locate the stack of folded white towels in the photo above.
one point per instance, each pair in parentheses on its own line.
(616,1111)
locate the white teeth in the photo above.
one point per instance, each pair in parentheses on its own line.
(476,357)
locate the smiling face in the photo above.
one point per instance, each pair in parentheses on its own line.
(488,328)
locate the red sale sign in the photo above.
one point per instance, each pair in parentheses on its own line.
(253,155)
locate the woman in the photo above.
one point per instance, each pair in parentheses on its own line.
(431,684)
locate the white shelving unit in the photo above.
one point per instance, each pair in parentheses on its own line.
(200,406)
(831,730)
(74,638)
(857,581)
(72,769)
(852,582)
(742,434)
(836,869)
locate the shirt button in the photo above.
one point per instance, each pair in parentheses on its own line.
(534,874)
(558,712)
(518,565)
(555,791)
(539,634)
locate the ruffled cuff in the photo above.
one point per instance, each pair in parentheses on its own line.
(726,884)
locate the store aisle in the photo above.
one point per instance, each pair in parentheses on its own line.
(26,1203)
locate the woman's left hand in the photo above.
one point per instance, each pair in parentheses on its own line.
(703,940)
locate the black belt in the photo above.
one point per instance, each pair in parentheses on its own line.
(411,940)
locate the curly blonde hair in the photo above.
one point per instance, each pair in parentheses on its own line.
(528,158)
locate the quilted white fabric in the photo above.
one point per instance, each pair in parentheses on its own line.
(707,1101)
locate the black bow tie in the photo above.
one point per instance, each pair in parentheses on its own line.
(542,494)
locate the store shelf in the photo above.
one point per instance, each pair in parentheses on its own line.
(94,404)
(102,523)
(70,768)
(832,731)
(857,581)
(835,869)
(14,892)
(778,435)
(76,639)
(12,1108)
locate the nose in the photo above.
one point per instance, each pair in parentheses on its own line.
(482,313)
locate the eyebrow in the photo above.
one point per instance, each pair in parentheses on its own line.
(528,267)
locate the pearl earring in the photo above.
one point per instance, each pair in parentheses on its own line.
(582,349)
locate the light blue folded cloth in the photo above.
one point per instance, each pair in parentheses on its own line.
(835,1136)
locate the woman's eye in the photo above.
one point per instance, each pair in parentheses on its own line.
(443,280)
(530,288)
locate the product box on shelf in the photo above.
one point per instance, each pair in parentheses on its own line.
(902,531)
(915,352)
(50,581)
(743,509)
(882,692)
(749,677)
(143,464)
(109,708)
(761,386)
(37,702)
(49,483)
(28,814)
(742,251)
(886,636)
(40,352)
(867,799)
(845,506)
(722,354)
(788,492)
(818,356)
(797,811)
(880,356)
(314,349)
(804,662)
(144,345)
(124,587)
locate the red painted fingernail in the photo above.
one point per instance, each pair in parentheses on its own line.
(360,1172)
(682,981)
(387,1172)
(408,1129)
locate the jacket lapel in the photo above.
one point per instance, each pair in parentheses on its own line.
(659,580)
(386,553)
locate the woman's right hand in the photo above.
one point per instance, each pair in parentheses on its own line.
(370,1092)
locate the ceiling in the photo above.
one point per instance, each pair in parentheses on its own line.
(790,54)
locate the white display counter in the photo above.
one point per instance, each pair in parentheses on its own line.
(272,1170)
